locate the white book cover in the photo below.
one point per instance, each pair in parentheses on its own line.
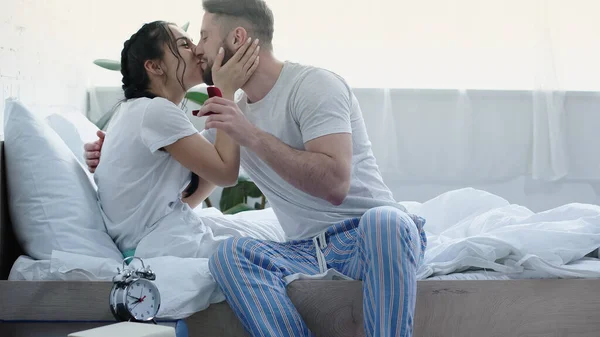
(128,329)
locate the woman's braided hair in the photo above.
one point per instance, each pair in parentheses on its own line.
(148,44)
(141,46)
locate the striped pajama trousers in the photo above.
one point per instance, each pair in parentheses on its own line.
(383,248)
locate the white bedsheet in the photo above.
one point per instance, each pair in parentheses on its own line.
(585,264)
(466,228)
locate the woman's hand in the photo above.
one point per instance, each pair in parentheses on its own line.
(236,71)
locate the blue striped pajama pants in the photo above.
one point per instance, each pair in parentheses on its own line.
(383,248)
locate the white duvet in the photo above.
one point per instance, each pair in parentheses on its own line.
(466,228)
(472,228)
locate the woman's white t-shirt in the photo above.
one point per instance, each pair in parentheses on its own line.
(138,183)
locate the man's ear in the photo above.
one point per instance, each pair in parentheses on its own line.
(153,67)
(239,37)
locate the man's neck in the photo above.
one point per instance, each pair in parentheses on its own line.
(264,78)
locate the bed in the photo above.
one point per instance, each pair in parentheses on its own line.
(466,303)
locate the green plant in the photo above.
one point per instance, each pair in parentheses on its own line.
(234,199)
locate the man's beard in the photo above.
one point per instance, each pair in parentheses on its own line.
(208,71)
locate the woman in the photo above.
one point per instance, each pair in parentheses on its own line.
(155,166)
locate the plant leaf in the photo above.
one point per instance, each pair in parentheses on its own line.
(252,190)
(185,26)
(231,196)
(196,97)
(108,64)
(237,209)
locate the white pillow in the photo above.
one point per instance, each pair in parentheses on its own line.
(52,203)
(75,130)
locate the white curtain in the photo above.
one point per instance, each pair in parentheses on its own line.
(549,158)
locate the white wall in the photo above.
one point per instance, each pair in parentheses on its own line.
(441,44)
(47,46)
(41,55)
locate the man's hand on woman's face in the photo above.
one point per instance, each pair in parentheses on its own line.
(92,151)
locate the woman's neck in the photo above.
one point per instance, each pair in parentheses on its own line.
(174,95)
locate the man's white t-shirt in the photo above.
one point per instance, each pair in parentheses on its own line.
(306,103)
(137,181)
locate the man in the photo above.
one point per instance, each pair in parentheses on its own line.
(304,143)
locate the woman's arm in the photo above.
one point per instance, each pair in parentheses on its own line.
(219,164)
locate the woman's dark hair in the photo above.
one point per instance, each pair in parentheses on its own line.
(148,44)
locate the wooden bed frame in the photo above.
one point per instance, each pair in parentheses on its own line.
(330,308)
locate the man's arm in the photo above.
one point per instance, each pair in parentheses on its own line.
(323,170)
(92,151)
(322,106)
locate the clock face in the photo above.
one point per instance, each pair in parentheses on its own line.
(143,300)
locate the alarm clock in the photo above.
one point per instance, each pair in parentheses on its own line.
(134,297)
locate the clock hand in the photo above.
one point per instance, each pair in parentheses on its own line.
(136,298)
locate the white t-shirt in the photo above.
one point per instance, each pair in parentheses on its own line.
(306,103)
(137,182)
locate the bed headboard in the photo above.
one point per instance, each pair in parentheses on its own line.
(9,246)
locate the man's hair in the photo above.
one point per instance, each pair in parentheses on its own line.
(254,15)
